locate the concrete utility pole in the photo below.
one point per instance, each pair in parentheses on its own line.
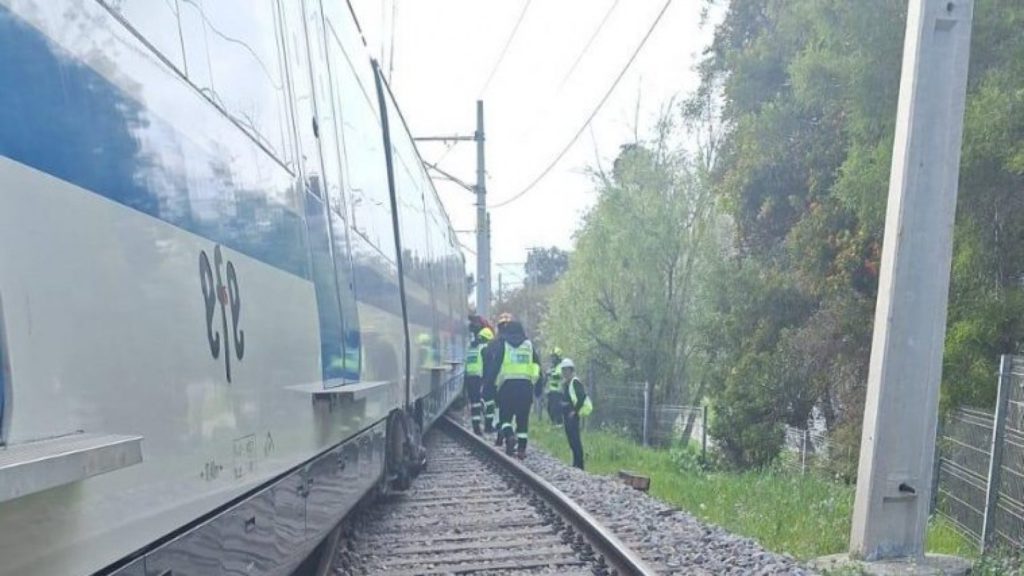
(901,412)
(483,220)
(483,223)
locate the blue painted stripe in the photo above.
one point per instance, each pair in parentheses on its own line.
(61,117)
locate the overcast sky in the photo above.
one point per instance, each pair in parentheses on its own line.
(444,51)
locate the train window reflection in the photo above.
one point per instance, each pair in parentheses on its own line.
(365,176)
(325,112)
(232,56)
(157,23)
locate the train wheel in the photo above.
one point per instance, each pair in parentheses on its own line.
(417,451)
(396,470)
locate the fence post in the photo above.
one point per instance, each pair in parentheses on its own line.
(996,453)
(704,434)
(803,451)
(647,404)
(936,467)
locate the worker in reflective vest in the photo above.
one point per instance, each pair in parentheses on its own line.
(554,397)
(488,390)
(576,404)
(474,376)
(512,364)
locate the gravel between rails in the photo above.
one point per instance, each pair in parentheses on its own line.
(671,541)
(462,516)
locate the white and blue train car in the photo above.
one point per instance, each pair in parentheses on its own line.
(230,298)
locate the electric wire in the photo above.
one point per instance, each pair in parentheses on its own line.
(504,50)
(586,47)
(391,48)
(579,58)
(590,118)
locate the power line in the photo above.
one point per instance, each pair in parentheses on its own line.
(391,49)
(586,47)
(593,114)
(504,50)
(579,58)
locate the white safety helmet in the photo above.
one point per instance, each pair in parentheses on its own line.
(566,363)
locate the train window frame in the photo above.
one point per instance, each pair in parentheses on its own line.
(274,133)
(359,129)
(173,54)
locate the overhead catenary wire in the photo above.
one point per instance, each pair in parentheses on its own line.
(504,50)
(593,114)
(586,47)
(579,58)
(391,48)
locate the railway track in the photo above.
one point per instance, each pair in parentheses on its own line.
(475,511)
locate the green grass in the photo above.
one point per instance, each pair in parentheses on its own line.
(802,515)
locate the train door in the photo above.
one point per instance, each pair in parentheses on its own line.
(331,153)
(318,149)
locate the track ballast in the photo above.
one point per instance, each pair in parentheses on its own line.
(473,511)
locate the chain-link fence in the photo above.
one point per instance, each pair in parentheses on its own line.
(630,407)
(963,469)
(805,447)
(980,472)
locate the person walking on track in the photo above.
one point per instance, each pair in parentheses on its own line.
(576,404)
(513,366)
(474,374)
(554,396)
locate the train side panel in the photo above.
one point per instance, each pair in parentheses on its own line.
(155,279)
(198,250)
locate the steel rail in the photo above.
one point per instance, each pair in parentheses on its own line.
(617,554)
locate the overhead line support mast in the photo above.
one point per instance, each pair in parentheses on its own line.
(483,244)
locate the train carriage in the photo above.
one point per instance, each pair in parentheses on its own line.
(230,297)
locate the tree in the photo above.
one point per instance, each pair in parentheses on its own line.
(628,303)
(545,266)
(808,95)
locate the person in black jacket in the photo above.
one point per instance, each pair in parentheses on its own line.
(512,365)
(575,404)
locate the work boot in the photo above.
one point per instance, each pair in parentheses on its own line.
(521,452)
(498,441)
(510,445)
(476,428)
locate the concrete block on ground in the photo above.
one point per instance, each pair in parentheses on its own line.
(931,565)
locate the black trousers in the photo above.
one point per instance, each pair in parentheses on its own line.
(572,432)
(515,397)
(489,393)
(555,406)
(476,403)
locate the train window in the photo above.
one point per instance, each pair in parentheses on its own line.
(410,192)
(326,117)
(411,218)
(232,55)
(306,125)
(157,23)
(366,184)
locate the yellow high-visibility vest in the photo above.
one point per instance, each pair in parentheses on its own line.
(555,380)
(518,364)
(587,407)
(475,359)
